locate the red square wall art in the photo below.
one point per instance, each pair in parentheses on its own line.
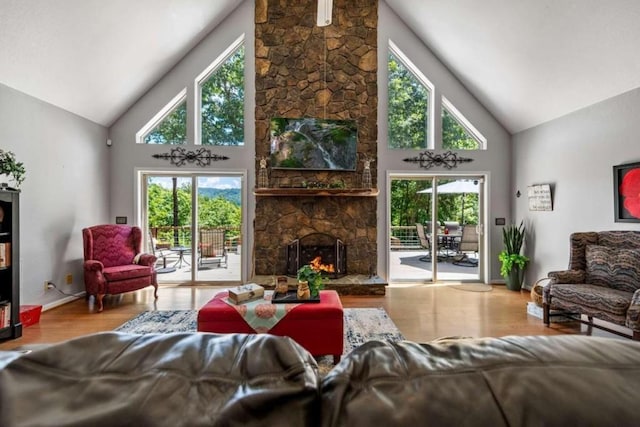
(626,191)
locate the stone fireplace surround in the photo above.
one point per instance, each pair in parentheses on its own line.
(325,249)
(328,72)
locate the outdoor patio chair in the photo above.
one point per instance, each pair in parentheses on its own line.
(425,243)
(469,242)
(161,254)
(212,246)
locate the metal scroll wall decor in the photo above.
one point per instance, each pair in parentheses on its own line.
(428,159)
(201,157)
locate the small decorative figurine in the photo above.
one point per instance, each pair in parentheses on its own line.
(366,172)
(263,174)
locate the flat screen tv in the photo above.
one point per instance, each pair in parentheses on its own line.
(318,144)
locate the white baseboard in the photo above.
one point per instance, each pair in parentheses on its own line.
(63,301)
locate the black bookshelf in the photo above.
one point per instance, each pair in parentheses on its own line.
(10,326)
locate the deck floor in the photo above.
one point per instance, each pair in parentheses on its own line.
(405,265)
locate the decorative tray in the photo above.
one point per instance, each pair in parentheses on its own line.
(291,297)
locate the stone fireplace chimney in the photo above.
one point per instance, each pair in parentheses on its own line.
(303,70)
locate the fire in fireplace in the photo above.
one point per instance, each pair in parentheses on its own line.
(321,251)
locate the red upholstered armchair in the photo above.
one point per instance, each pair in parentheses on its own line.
(113,262)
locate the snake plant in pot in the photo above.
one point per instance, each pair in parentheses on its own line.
(513,262)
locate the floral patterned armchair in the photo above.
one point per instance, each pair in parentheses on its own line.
(602,281)
(113,262)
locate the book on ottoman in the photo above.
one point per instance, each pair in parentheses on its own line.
(245,293)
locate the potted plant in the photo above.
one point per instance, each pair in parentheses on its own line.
(312,277)
(8,166)
(513,262)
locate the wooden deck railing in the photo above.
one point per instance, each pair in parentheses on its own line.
(170,236)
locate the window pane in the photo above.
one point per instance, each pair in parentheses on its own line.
(172,129)
(223,103)
(408,108)
(454,135)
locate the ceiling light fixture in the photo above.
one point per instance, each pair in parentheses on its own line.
(325,8)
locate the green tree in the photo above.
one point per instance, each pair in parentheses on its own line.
(160,205)
(172,129)
(222,109)
(223,103)
(454,135)
(408,108)
(218,212)
(212,212)
(408,206)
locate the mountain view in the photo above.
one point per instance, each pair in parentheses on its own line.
(231,194)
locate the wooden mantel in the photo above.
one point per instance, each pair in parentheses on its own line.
(316,192)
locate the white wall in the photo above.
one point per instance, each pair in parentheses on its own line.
(65,190)
(575,154)
(495,161)
(127,156)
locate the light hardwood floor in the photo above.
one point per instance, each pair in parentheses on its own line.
(421,312)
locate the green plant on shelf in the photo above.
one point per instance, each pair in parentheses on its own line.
(10,167)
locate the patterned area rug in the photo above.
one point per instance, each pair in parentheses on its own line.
(360,325)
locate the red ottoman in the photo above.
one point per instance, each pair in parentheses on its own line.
(318,327)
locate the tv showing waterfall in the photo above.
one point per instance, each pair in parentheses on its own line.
(318,144)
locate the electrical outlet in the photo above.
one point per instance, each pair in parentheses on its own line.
(48,285)
(69,279)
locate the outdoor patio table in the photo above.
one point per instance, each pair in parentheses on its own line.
(180,250)
(448,243)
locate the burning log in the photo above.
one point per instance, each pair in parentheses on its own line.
(317,265)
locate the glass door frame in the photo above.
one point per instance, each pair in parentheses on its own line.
(482,224)
(141,207)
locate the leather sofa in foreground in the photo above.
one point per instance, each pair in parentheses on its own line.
(199,379)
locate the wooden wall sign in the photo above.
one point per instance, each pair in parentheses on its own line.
(540,197)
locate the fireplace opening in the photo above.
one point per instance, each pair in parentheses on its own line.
(323,252)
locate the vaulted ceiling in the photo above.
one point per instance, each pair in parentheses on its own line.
(531,61)
(527,61)
(96,57)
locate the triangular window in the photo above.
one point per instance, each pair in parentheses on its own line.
(221,89)
(457,132)
(409,103)
(169,126)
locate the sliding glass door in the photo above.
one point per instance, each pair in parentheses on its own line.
(436,231)
(410,215)
(194,226)
(219,237)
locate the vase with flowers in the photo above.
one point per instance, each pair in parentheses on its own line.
(11,168)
